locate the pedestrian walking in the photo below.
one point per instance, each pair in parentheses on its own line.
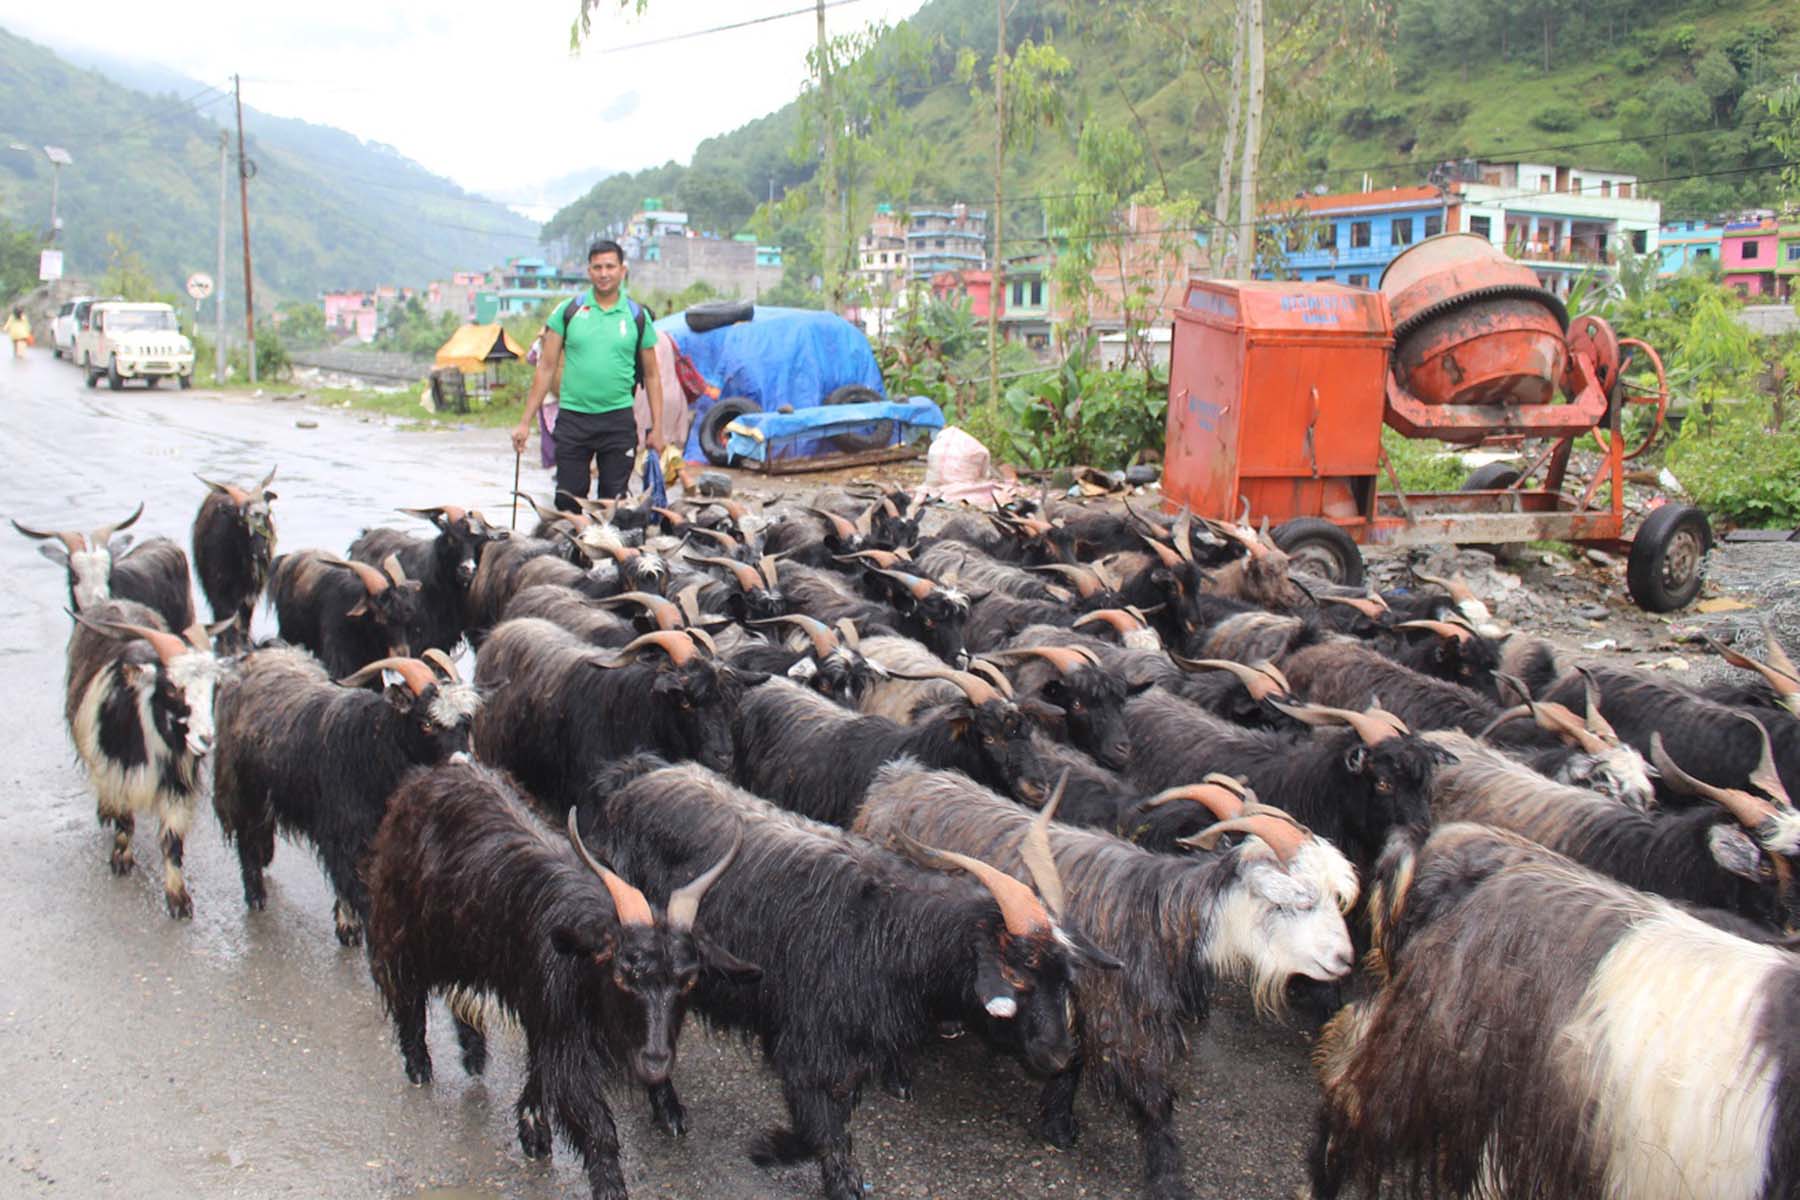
(19,330)
(605,347)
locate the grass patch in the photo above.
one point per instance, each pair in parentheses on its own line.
(501,410)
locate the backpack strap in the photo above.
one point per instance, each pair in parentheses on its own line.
(640,313)
(576,303)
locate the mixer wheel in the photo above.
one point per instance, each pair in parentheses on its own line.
(1318,547)
(1668,558)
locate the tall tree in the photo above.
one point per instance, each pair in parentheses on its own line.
(1252,155)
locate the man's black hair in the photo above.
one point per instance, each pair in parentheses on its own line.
(606,246)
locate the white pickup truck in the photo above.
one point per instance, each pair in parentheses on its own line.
(125,340)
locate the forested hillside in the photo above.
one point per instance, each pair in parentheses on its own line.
(326,209)
(1671,89)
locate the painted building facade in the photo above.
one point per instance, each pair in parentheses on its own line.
(945,239)
(1681,244)
(1748,256)
(1561,221)
(1351,237)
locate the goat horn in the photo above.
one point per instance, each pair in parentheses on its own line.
(769,572)
(684,902)
(824,641)
(441,661)
(168,647)
(1064,658)
(670,515)
(1766,777)
(1039,859)
(841,527)
(1261,683)
(725,540)
(884,558)
(1561,720)
(417,675)
(1443,629)
(1596,724)
(231,491)
(993,674)
(665,613)
(268,479)
(1371,728)
(1368,606)
(1222,801)
(373,581)
(1282,833)
(1123,621)
(865,524)
(1784,682)
(847,628)
(1168,557)
(104,534)
(1182,534)
(75,543)
(1517,685)
(396,572)
(628,903)
(746,575)
(920,588)
(1751,811)
(676,643)
(977,689)
(1087,582)
(1023,913)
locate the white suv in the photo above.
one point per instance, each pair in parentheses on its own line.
(123,340)
(64,324)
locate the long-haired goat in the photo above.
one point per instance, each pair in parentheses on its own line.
(829,661)
(304,756)
(473,896)
(234,544)
(100,568)
(1544,1031)
(1266,909)
(557,708)
(347,613)
(444,567)
(139,704)
(860,961)
(919,608)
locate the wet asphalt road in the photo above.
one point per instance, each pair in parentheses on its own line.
(246,1054)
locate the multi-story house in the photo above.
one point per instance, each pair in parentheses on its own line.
(945,239)
(881,255)
(1747,255)
(1351,237)
(1681,244)
(1787,258)
(1561,221)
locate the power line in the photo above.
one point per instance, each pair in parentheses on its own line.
(184,108)
(682,37)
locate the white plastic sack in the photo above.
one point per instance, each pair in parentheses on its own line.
(959,467)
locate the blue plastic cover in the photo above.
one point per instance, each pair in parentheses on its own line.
(792,356)
(805,434)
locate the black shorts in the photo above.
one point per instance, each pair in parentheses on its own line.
(609,438)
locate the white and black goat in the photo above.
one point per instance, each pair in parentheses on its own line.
(139,705)
(101,566)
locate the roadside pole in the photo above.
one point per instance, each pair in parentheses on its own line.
(219,296)
(244,200)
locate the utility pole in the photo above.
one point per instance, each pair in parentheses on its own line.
(829,200)
(1253,112)
(59,158)
(219,285)
(997,273)
(244,203)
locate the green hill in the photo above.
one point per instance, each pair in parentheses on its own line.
(1669,89)
(326,209)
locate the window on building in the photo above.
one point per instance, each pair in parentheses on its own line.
(1434,226)
(1361,281)
(1640,240)
(1544,183)
(1624,190)
(1703,252)
(1359,233)
(1575,185)
(940,243)
(1037,291)
(1482,226)
(1326,279)
(1793,252)
(1018,294)
(1606,187)
(1402,231)
(1751,250)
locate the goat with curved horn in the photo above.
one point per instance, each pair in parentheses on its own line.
(684,901)
(628,902)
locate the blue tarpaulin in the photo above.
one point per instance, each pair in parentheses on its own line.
(792,356)
(836,428)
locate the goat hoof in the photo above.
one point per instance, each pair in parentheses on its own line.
(418,1073)
(534,1134)
(845,1184)
(672,1122)
(349,935)
(256,901)
(181,905)
(474,1059)
(1061,1132)
(122,862)
(897,1084)
(1169,1189)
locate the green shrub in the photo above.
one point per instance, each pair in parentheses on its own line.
(1557,118)
(1734,463)
(1422,464)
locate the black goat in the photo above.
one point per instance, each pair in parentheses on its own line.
(581,615)
(307,757)
(234,543)
(830,663)
(815,758)
(100,568)
(1089,697)
(860,961)
(472,896)
(747,593)
(1546,1031)
(920,609)
(557,709)
(444,567)
(1352,786)
(347,613)
(1266,909)
(139,704)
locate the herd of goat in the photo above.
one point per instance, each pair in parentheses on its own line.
(839,785)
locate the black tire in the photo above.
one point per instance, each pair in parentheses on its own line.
(150,381)
(87,367)
(712,427)
(716,314)
(1316,545)
(1491,477)
(854,393)
(1668,558)
(114,380)
(55,351)
(187,381)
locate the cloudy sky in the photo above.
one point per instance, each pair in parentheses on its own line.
(485,93)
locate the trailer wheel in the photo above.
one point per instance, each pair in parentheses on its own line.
(712,426)
(1494,476)
(1668,558)
(1318,547)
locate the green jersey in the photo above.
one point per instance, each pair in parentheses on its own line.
(599,354)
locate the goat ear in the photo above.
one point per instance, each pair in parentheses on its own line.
(717,958)
(583,943)
(360,609)
(1044,713)
(54,553)
(399,696)
(666,684)
(1733,849)
(120,544)
(996,996)
(1138,689)
(1085,954)
(752,679)
(137,674)
(1356,758)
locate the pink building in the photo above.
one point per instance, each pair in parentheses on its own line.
(350,313)
(1747,256)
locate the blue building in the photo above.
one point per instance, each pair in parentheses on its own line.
(1349,238)
(1685,242)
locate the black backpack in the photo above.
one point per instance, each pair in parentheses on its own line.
(640,314)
